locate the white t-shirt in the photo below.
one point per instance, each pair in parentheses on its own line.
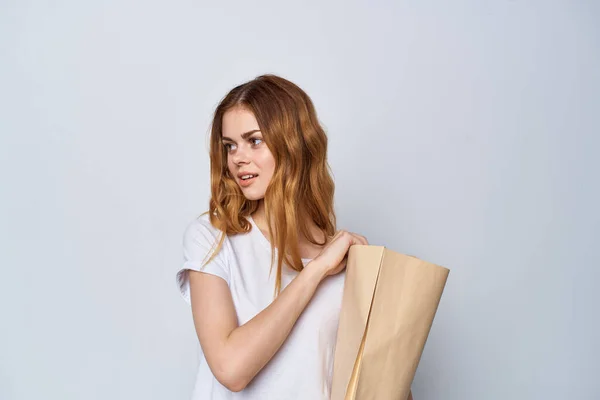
(303,366)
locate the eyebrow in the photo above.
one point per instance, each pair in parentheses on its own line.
(244,135)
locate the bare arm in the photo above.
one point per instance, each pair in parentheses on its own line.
(235,353)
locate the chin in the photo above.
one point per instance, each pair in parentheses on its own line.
(253,196)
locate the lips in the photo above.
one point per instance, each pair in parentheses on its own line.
(246,178)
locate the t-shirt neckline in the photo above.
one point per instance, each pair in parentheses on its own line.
(263,239)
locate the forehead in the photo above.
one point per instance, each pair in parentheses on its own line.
(238,121)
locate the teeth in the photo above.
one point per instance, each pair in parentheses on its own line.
(247,177)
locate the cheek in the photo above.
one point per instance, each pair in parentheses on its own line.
(230,165)
(267,162)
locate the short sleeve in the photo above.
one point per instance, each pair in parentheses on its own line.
(198,242)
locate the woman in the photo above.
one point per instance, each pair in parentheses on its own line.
(266,324)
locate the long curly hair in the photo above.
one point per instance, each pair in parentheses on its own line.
(301,189)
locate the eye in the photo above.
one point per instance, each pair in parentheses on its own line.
(228,146)
(253,140)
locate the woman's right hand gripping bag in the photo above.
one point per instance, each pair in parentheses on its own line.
(388,306)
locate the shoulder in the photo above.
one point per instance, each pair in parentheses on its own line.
(200,236)
(200,245)
(201,227)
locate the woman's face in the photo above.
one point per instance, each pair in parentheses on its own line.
(247,153)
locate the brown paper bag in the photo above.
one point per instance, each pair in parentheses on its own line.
(388,306)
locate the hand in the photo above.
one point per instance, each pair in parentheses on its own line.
(332,259)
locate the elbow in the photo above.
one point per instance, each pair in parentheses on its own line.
(230,377)
(233,385)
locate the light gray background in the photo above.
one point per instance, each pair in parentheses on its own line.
(463,132)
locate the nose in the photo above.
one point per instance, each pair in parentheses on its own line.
(241,155)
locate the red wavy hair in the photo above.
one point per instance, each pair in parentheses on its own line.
(301,188)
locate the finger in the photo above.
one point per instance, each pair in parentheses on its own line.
(361,239)
(358,239)
(365,241)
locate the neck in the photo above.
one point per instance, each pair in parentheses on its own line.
(259,214)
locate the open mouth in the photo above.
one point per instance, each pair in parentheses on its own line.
(247,180)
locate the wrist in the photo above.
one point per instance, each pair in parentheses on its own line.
(315,270)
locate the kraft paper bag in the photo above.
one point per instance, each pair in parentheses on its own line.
(389,302)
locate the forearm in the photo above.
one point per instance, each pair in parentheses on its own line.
(250,346)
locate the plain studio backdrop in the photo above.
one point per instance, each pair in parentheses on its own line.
(465,133)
